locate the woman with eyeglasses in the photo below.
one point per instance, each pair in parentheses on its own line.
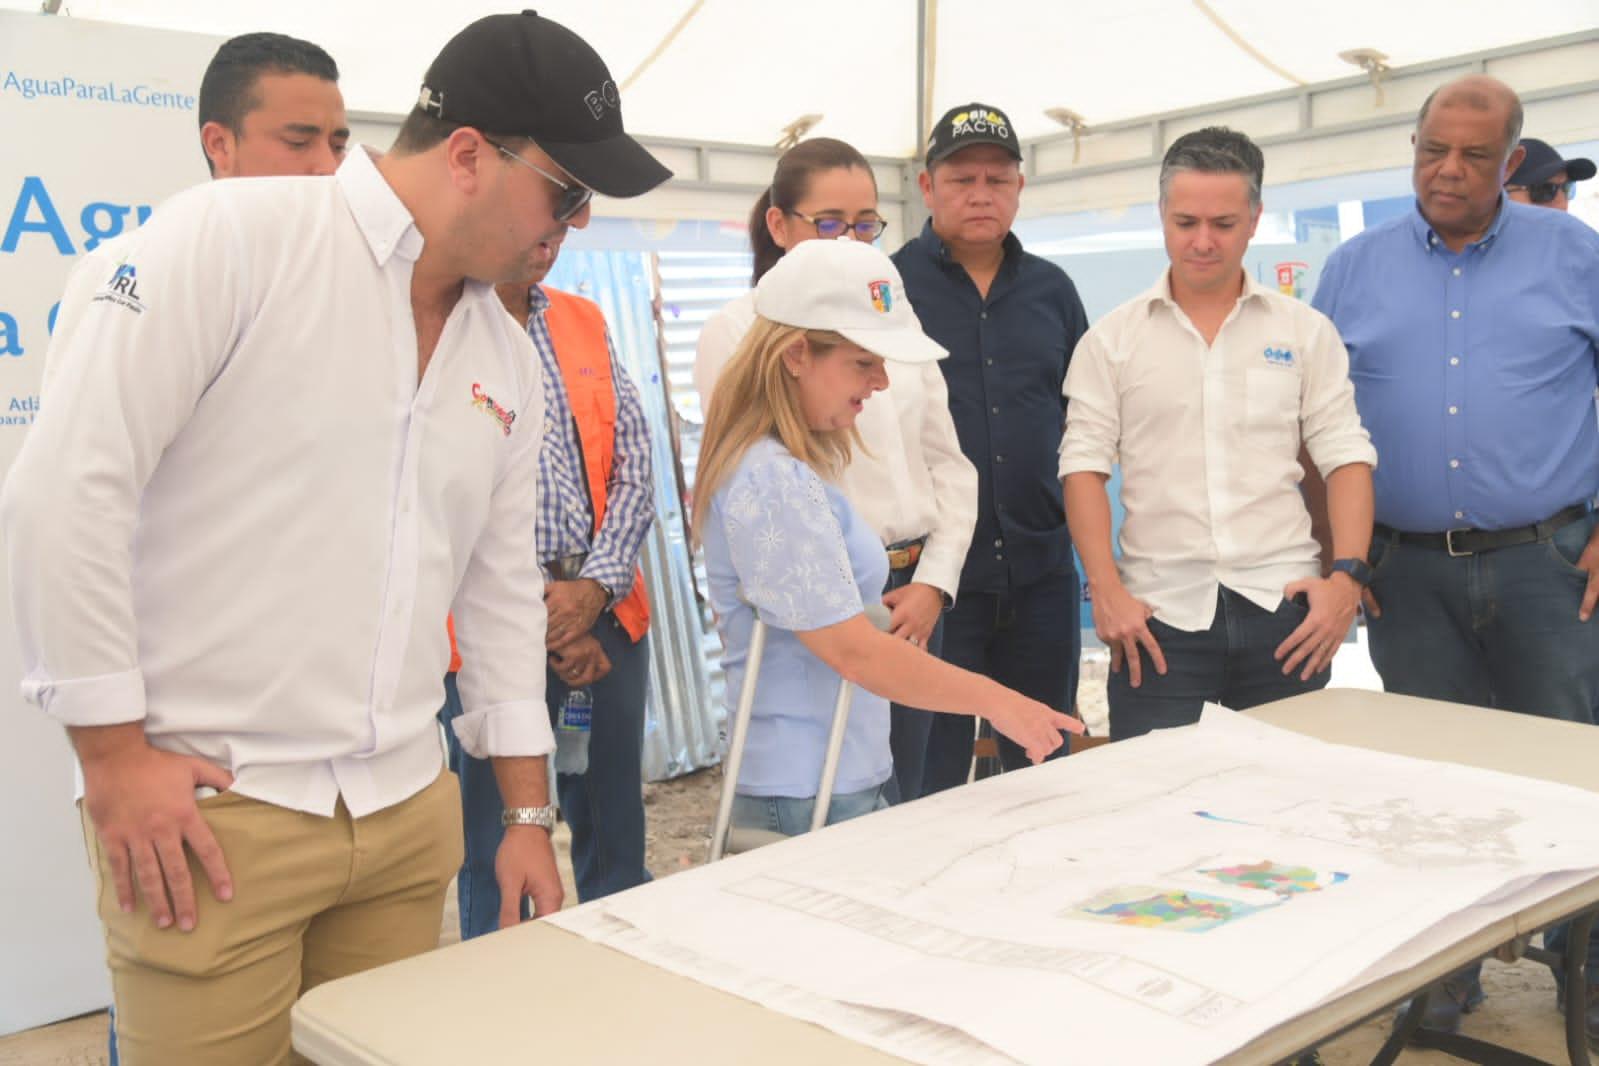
(783,543)
(909,479)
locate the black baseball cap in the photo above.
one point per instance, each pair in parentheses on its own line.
(969,124)
(1543,162)
(525,75)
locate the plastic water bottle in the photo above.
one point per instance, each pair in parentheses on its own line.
(572,732)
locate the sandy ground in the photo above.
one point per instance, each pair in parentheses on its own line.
(1520,1011)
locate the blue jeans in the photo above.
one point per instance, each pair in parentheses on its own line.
(1230,663)
(1026,638)
(791,815)
(908,727)
(604,807)
(1496,629)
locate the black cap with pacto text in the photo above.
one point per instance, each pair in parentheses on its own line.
(969,124)
(525,75)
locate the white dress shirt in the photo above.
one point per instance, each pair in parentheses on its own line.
(241,520)
(1208,438)
(89,272)
(911,478)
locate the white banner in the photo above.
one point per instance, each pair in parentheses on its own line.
(99,123)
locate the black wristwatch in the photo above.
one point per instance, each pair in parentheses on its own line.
(1355,568)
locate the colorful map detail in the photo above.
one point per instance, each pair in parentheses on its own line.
(1184,912)
(1267,876)
(1260,886)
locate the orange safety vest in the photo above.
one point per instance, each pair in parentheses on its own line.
(577,329)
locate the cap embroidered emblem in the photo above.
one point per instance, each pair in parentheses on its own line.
(979,121)
(882,296)
(602,98)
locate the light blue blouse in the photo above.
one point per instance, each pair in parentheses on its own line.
(782,541)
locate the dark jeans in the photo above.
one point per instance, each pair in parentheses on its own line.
(1027,639)
(604,807)
(1230,663)
(909,726)
(1497,629)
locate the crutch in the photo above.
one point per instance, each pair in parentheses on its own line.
(725,839)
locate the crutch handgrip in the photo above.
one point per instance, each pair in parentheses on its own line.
(737,732)
(721,833)
(879,616)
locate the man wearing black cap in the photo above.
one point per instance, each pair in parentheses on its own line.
(1010,321)
(295,429)
(1545,179)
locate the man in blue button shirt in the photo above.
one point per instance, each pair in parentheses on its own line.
(1472,327)
(1010,321)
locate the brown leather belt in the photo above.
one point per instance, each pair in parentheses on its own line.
(903,556)
(1458,542)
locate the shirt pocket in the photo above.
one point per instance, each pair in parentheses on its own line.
(1271,403)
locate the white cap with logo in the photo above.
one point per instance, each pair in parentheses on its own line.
(849,288)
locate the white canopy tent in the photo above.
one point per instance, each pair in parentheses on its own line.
(738,71)
(714,83)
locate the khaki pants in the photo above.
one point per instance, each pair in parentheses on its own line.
(314,899)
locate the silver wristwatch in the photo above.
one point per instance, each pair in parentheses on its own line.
(544,817)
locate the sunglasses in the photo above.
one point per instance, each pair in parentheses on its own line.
(1545,192)
(573,196)
(830,228)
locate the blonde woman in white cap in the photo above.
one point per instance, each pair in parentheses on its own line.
(781,539)
(910,480)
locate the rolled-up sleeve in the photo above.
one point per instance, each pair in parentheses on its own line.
(1329,422)
(630,495)
(499,607)
(1093,410)
(138,348)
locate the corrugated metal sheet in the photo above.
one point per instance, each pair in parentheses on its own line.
(694,285)
(683,719)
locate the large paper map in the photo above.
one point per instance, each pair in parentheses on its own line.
(1165,899)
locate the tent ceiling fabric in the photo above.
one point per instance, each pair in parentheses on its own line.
(740,70)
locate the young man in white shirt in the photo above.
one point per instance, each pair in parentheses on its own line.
(291,432)
(1204,388)
(269,107)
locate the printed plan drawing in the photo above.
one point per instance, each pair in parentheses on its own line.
(1162,899)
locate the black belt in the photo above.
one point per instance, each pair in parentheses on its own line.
(1459,542)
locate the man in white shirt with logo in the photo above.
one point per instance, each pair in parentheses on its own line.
(1204,389)
(292,431)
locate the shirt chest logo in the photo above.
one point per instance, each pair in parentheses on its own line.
(1280,356)
(485,403)
(122,289)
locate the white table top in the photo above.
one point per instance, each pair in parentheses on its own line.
(540,990)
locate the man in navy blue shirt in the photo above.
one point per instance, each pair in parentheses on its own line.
(1472,326)
(1010,321)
